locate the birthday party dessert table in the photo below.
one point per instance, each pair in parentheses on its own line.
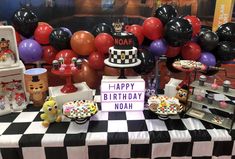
(136,134)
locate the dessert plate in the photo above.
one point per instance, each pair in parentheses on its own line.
(80,110)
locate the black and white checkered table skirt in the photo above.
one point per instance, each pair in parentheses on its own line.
(112,135)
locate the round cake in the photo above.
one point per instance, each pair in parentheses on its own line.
(123,52)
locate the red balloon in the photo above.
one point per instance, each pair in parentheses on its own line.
(191,51)
(88,75)
(42,33)
(153,28)
(195,22)
(67,55)
(172,51)
(137,30)
(103,42)
(111,71)
(96,60)
(49,54)
(18,38)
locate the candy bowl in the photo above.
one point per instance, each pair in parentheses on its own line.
(80,111)
(164,106)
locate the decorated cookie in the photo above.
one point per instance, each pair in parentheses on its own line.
(164,105)
(80,109)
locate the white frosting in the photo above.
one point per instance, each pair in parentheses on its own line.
(226,82)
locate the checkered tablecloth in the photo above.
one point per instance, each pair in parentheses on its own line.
(112,135)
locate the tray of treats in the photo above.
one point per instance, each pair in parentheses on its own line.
(163,105)
(188,65)
(80,110)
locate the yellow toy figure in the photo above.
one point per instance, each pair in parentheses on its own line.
(51,112)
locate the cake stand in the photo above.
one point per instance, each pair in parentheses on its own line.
(122,67)
(67,73)
(80,111)
(69,91)
(164,106)
(188,66)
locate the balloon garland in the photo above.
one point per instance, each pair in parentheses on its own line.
(164,34)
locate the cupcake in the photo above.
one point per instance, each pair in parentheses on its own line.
(210,98)
(202,79)
(199,97)
(78,63)
(226,85)
(55,65)
(223,104)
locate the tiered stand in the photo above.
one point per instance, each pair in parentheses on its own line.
(198,113)
(69,92)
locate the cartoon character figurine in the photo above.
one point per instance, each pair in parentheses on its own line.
(182,95)
(150,89)
(118,26)
(52,113)
(7,56)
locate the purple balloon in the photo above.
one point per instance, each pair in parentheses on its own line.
(67,30)
(158,47)
(30,50)
(208,59)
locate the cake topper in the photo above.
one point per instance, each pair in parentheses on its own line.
(118,26)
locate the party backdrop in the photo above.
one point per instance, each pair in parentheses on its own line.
(71,12)
(66,18)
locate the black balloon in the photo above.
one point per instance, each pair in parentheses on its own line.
(208,40)
(165,13)
(211,72)
(226,32)
(204,29)
(102,28)
(25,22)
(169,63)
(147,62)
(177,32)
(60,39)
(146,42)
(225,51)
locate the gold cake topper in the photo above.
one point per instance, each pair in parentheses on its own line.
(118,26)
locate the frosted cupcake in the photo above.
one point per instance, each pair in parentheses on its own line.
(226,85)
(202,79)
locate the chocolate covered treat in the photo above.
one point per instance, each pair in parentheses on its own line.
(55,64)
(210,98)
(202,79)
(74,60)
(61,60)
(226,85)
(78,63)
